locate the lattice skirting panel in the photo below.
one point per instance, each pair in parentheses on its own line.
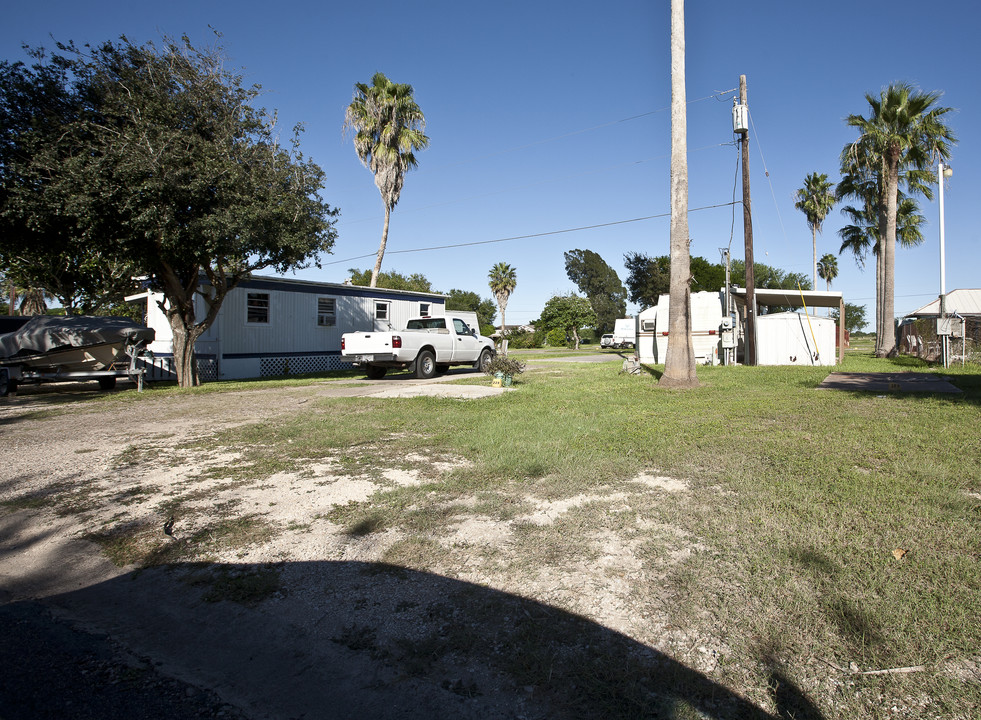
(300,365)
(162,368)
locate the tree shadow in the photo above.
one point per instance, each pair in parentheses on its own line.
(653,371)
(792,703)
(355,639)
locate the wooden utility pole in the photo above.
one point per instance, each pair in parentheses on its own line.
(750,337)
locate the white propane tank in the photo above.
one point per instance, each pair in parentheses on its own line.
(740,117)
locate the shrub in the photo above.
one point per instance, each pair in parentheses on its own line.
(505,365)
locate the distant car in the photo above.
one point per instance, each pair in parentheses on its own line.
(606,341)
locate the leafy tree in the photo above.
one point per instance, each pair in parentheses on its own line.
(503,280)
(679,365)
(815,199)
(47,238)
(472,302)
(175,172)
(416,282)
(827,268)
(600,284)
(568,313)
(706,276)
(647,278)
(904,129)
(854,317)
(388,129)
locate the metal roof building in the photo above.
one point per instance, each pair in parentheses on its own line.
(963,302)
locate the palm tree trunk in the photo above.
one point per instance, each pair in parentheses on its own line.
(814,244)
(679,364)
(381,248)
(891,187)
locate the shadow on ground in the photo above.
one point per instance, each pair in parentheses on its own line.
(353,639)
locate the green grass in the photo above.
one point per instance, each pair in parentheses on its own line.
(799,496)
(781,547)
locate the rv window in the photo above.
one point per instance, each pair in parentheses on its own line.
(257,308)
(647,325)
(326,312)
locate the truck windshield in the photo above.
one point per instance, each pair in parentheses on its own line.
(426,324)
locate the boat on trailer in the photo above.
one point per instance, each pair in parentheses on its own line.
(50,348)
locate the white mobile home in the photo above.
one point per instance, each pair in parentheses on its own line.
(281,326)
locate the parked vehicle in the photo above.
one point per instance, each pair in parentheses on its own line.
(606,341)
(624,332)
(429,345)
(52,348)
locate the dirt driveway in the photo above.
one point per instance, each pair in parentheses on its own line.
(282,613)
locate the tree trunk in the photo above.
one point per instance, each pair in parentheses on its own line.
(879,285)
(185,334)
(502,303)
(814,279)
(887,348)
(679,365)
(381,248)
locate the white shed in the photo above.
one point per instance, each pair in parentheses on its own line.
(790,338)
(282,326)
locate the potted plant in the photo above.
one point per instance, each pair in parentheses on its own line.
(505,368)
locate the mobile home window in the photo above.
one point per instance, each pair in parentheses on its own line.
(326,312)
(424,309)
(257,310)
(381,311)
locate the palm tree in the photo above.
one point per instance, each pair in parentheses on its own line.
(679,363)
(388,128)
(815,199)
(827,268)
(503,280)
(904,129)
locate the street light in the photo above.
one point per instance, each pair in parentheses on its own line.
(943,172)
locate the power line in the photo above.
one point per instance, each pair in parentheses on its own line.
(526,237)
(573,133)
(513,188)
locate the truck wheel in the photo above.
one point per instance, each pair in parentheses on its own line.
(107,383)
(425,365)
(484,361)
(441,368)
(374,372)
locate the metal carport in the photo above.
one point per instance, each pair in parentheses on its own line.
(793,298)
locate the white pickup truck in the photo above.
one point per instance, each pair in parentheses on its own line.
(428,344)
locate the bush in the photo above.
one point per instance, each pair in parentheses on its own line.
(522,339)
(505,365)
(556,338)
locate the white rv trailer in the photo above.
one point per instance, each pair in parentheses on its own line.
(624,332)
(706,316)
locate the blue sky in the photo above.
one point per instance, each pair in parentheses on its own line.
(551,115)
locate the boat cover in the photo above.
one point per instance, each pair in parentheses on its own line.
(47,333)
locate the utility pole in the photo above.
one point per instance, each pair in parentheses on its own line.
(750,337)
